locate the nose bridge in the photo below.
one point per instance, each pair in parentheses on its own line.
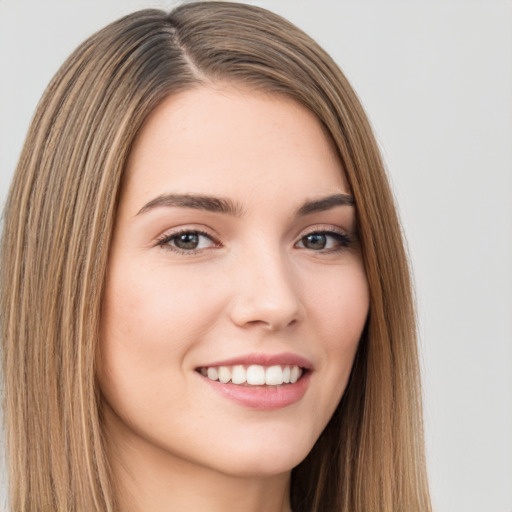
(266,291)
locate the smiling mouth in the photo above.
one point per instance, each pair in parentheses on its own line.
(254,374)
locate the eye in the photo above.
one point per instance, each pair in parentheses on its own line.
(326,241)
(187,241)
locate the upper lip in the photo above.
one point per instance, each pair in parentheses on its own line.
(284,359)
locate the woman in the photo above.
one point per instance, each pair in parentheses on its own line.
(205,296)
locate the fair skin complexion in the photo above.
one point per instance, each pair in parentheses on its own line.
(267,273)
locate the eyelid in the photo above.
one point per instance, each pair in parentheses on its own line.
(346,238)
(322,227)
(326,228)
(162,240)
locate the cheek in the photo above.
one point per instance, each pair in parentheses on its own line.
(339,315)
(150,320)
(155,309)
(340,308)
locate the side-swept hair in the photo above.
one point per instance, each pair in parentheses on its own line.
(59,220)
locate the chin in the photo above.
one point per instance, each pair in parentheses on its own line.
(258,461)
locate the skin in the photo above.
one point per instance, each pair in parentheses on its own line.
(255,285)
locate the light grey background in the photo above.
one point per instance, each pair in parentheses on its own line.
(436,80)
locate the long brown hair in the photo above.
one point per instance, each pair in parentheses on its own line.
(58,224)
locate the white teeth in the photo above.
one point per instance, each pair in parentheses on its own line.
(212,373)
(254,375)
(274,376)
(295,374)
(238,374)
(224,374)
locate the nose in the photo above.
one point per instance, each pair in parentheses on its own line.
(266,293)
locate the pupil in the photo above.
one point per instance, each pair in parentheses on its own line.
(315,241)
(187,241)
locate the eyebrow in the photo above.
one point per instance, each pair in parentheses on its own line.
(326,203)
(197,202)
(229,207)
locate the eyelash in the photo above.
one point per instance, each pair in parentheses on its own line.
(165,240)
(343,240)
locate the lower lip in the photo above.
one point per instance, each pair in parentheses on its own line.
(263,397)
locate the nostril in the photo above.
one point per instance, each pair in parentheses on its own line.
(267,314)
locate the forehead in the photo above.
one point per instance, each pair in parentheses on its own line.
(222,140)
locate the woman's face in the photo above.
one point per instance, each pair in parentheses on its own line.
(234,258)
